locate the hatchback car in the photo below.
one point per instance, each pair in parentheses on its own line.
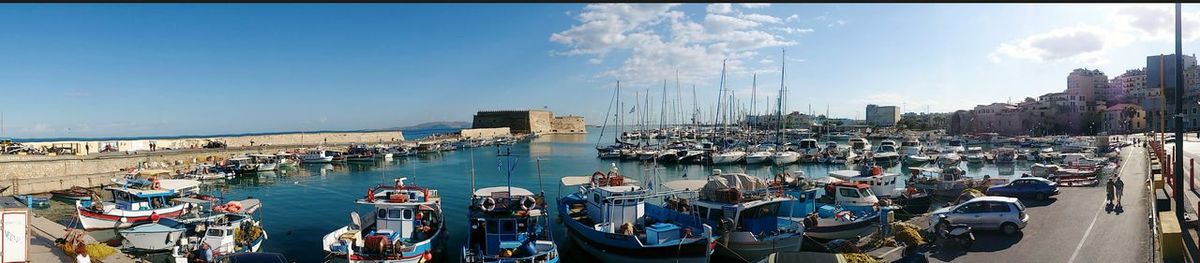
(1006,214)
(1027,187)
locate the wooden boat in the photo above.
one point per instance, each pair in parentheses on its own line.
(74,193)
(406,225)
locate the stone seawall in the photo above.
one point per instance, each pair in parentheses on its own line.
(38,174)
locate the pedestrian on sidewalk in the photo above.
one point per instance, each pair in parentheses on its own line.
(1119,188)
(1108,188)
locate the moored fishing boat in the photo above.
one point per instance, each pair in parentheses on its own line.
(317,155)
(151,236)
(610,219)
(129,206)
(73,193)
(405,224)
(493,234)
(747,215)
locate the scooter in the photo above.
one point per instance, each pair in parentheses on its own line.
(954,235)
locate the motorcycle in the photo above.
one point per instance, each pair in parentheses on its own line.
(953,235)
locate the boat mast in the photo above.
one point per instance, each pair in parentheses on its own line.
(754,95)
(605,125)
(720,95)
(695,108)
(662,112)
(620,108)
(782,73)
(473,167)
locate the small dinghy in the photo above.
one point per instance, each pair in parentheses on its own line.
(153,236)
(74,193)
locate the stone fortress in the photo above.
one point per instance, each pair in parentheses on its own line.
(529,121)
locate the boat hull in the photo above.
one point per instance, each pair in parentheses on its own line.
(860,227)
(118,218)
(755,251)
(153,240)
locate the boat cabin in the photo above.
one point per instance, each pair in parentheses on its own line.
(140,199)
(507,218)
(399,209)
(850,194)
(859,144)
(808,144)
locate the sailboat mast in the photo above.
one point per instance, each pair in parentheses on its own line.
(695,108)
(754,96)
(782,87)
(662,112)
(720,95)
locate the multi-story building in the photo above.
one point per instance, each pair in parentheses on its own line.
(882,116)
(1160,78)
(1122,89)
(1124,119)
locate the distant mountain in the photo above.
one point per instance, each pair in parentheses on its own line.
(434,125)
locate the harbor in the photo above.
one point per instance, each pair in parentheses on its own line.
(290,193)
(599,133)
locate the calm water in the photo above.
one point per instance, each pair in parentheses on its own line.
(301,205)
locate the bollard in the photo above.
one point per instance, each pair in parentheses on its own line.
(1192,174)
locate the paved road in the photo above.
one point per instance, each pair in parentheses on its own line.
(1074,227)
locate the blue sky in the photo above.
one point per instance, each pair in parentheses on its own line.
(165,69)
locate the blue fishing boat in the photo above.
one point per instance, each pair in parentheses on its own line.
(508,224)
(747,213)
(845,210)
(405,224)
(610,219)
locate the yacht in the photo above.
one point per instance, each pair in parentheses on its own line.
(859,145)
(809,149)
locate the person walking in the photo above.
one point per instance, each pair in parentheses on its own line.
(1108,188)
(1119,189)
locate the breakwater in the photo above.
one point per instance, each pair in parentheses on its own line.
(27,174)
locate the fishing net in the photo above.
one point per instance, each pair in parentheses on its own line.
(907,233)
(74,238)
(859,258)
(742,182)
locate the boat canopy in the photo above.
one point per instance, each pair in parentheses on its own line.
(152,172)
(686,185)
(488,192)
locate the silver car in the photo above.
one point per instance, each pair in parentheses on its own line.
(1006,214)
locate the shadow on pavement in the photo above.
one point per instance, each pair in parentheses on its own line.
(1038,203)
(985,241)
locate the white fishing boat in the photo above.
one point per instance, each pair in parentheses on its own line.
(153,236)
(975,155)
(882,184)
(317,155)
(208,172)
(233,233)
(129,206)
(886,153)
(405,224)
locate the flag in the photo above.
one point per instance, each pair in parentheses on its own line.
(631,110)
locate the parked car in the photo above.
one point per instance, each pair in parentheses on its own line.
(1027,187)
(1006,214)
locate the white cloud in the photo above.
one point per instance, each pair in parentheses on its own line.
(1091,44)
(761,18)
(755,5)
(838,22)
(791,30)
(659,40)
(720,8)
(792,17)
(1082,44)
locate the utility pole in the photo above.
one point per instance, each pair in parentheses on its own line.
(1177,164)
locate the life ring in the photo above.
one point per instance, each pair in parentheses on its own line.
(598,178)
(156,185)
(487,204)
(528,203)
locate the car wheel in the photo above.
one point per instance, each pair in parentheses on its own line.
(940,227)
(1041,196)
(1009,229)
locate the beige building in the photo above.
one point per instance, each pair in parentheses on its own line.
(1124,119)
(882,116)
(529,121)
